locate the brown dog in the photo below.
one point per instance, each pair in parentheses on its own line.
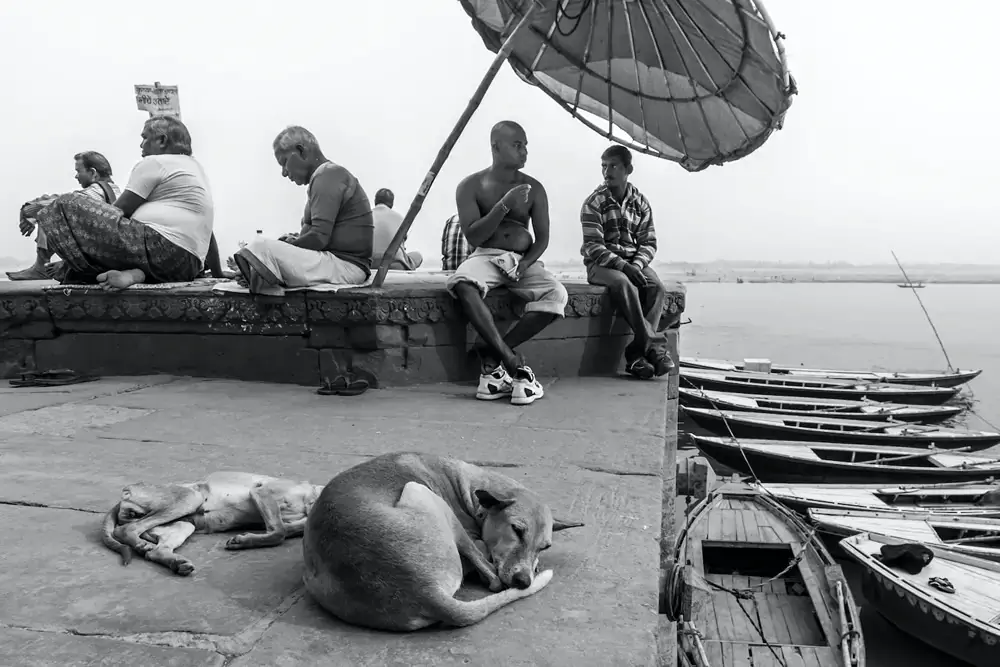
(386,543)
(157,519)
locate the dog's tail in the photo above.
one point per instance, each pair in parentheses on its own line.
(108,535)
(459,613)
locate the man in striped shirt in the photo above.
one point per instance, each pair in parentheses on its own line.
(619,242)
(93,173)
(455,248)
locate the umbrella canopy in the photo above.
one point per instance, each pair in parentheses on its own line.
(698,82)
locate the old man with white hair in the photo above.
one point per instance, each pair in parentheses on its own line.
(334,244)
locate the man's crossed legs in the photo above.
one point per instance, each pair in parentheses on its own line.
(546,300)
(641,306)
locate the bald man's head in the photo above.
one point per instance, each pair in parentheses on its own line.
(510,145)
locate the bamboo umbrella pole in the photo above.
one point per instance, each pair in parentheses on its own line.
(442,156)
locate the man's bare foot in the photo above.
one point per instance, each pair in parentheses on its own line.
(118,280)
(31,273)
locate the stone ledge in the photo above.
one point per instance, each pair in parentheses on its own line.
(410,330)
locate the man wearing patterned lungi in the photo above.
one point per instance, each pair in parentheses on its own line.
(159,230)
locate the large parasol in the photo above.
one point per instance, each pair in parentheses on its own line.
(697,82)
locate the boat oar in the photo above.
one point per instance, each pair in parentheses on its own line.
(845,642)
(972,540)
(920,455)
(942,485)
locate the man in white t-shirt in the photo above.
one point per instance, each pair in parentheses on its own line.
(93,173)
(160,228)
(386,222)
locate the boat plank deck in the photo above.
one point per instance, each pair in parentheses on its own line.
(753,654)
(782,618)
(977,588)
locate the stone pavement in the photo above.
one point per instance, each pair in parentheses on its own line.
(592,448)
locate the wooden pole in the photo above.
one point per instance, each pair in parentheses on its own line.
(442,156)
(930,452)
(926,314)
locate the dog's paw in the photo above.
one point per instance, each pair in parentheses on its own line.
(540,581)
(493,583)
(237,542)
(183,567)
(143,547)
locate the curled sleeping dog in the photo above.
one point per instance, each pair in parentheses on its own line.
(390,540)
(156,519)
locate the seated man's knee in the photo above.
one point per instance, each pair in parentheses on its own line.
(618,283)
(552,301)
(463,290)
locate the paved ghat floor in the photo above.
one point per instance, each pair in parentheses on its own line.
(592,448)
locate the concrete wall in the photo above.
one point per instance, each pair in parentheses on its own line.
(398,335)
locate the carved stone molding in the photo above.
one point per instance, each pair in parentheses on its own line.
(194,307)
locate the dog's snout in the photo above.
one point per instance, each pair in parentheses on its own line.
(521,579)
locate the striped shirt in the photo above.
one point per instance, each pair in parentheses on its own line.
(455,248)
(613,234)
(96,192)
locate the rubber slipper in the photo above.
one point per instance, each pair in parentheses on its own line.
(942,584)
(54,378)
(662,363)
(641,369)
(341,386)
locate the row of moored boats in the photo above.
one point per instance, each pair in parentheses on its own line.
(835,463)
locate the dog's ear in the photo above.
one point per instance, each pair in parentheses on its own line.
(559,524)
(126,493)
(491,502)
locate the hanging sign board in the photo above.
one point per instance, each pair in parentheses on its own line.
(157,99)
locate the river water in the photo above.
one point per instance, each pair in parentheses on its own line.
(857,326)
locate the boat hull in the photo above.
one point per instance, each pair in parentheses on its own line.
(920,620)
(876,392)
(801,504)
(926,378)
(715,422)
(917,414)
(769,467)
(742,549)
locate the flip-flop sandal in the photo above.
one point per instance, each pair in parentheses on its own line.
(54,378)
(641,369)
(942,584)
(341,386)
(662,363)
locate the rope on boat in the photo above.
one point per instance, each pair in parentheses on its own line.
(926,314)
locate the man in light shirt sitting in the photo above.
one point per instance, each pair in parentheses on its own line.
(93,173)
(386,222)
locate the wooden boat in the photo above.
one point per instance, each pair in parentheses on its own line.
(751,585)
(932,378)
(818,463)
(947,498)
(816,407)
(912,285)
(964,624)
(973,536)
(742,382)
(819,429)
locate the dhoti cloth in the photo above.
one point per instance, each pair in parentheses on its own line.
(291,266)
(93,237)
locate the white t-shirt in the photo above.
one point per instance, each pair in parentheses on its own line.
(178,200)
(385,222)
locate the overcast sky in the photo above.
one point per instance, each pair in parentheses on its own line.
(890,144)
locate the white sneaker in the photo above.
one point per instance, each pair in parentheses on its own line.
(526,390)
(497,384)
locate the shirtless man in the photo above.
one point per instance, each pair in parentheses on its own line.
(495,206)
